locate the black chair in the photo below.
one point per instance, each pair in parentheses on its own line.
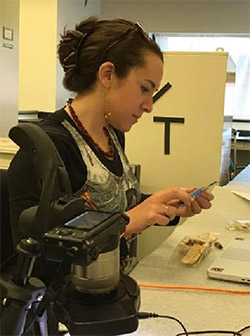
(7,248)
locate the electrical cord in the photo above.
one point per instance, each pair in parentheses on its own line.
(208,289)
(234,333)
(146,315)
(244,329)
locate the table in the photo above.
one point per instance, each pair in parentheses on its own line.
(240,144)
(7,151)
(241,125)
(243,176)
(197,310)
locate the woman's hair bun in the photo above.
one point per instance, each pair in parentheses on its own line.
(70,40)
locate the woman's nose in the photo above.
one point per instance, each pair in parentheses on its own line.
(148,105)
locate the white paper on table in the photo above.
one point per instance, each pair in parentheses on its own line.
(245,195)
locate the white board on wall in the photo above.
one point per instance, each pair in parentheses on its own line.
(197,95)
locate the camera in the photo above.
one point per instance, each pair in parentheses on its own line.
(91,242)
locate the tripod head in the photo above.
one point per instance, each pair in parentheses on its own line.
(88,239)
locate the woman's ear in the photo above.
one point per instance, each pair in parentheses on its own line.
(106,74)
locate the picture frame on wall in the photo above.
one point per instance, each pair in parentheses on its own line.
(8,34)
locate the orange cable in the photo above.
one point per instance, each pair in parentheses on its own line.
(232,291)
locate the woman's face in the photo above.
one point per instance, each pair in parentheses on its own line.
(129,98)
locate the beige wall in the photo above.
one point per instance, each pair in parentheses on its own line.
(9,10)
(37,57)
(41,23)
(208,16)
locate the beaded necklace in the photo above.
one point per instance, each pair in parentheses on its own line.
(108,154)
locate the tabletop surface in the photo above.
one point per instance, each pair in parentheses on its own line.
(7,146)
(241,126)
(243,176)
(197,310)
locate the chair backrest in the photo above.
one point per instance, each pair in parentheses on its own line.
(6,233)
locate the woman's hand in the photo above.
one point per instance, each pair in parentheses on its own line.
(197,205)
(156,209)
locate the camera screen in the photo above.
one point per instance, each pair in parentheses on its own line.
(88,220)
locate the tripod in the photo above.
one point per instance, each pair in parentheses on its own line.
(111,313)
(22,293)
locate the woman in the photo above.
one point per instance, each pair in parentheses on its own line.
(113,68)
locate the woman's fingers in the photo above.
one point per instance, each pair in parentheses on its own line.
(167,195)
(163,206)
(196,209)
(207,195)
(204,202)
(201,202)
(161,219)
(162,214)
(148,213)
(170,212)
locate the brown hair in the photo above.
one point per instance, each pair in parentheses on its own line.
(83,50)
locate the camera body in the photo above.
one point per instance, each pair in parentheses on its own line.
(91,242)
(80,237)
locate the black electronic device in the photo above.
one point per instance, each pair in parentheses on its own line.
(80,235)
(94,299)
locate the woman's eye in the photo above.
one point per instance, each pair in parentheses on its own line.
(144,89)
